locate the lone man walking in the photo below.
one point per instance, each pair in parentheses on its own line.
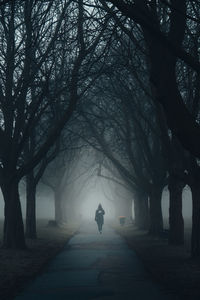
(99,217)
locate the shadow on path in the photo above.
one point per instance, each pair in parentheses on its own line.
(95,266)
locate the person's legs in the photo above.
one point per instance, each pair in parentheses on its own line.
(100,227)
(99,224)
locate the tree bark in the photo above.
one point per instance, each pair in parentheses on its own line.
(156,218)
(176,222)
(195,240)
(13,235)
(141,208)
(31,231)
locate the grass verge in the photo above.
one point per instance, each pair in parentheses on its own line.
(17,268)
(172,266)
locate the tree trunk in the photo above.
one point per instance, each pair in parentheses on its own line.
(156,218)
(141,209)
(31,231)
(13,237)
(195,240)
(176,222)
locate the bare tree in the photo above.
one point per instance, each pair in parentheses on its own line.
(30,33)
(129,142)
(164,37)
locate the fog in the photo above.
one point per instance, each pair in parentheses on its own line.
(187,205)
(83,190)
(44,206)
(90,202)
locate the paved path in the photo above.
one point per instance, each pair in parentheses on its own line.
(95,266)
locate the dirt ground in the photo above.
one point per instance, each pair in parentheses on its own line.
(172,266)
(18,267)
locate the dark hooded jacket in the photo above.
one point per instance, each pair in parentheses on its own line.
(99,215)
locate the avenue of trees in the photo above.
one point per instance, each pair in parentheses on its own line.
(121,77)
(126,119)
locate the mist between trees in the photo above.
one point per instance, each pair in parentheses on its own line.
(116,82)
